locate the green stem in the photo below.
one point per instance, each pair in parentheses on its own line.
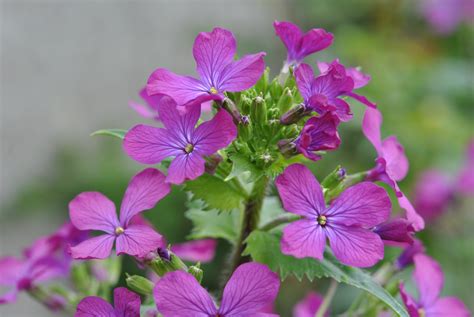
(279,221)
(327,299)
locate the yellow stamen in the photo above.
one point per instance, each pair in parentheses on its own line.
(213,90)
(421,312)
(119,231)
(322,220)
(188,148)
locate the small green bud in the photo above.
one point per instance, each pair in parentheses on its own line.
(334,178)
(139,284)
(285,101)
(166,262)
(196,271)
(245,105)
(275,89)
(259,111)
(80,277)
(245,128)
(262,83)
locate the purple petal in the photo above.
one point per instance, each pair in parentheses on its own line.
(396,161)
(182,89)
(309,306)
(355,246)
(11,270)
(333,83)
(142,110)
(185,167)
(143,192)
(150,110)
(251,287)
(395,232)
(9,297)
(94,248)
(178,124)
(360,79)
(304,238)
(127,303)
(94,306)
(412,216)
(409,302)
(313,41)
(406,257)
(448,306)
(46,269)
(371,125)
(242,74)
(214,134)
(304,78)
(213,52)
(93,211)
(178,294)
(364,204)
(290,34)
(300,191)
(196,250)
(151,101)
(429,279)
(138,241)
(361,99)
(433,193)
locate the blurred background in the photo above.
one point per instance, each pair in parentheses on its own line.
(69,68)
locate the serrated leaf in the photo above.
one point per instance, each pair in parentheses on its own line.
(215,192)
(244,169)
(212,223)
(118,133)
(264,247)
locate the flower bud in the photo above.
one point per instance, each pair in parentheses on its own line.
(244,128)
(231,108)
(287,148)
(294,115)
(275,88)
(195,270)
(165,262)
(139,284)
(262,83)
(285,101)
(334,178)
(259,111)
(245,105)
(211,163)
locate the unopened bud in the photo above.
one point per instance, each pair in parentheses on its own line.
(334,178)
(294,115)
(231,108)
(259,111)
(287,148)
(139,284)
(262,83)
(195,270)
(244,129)
(212,161)
(166,261)
(285,101)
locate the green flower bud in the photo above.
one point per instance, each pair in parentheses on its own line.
(166,262)
(139,284)
(195,270)
(262,83)
(334,178)
(285,101)
(80,277)
(259,111)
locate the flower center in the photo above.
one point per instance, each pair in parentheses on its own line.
(213,90)
(119,231)
(322,220)
(188,148)
(421,312)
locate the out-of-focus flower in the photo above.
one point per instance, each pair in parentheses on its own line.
(180,139)
(94,211)
(465,181)
(429,279)
(127,304)
(214,54)
(251,287)
(406,257)
(444,16)
(308,307)
(433,192)
(346,223)
(299,44)
(395,232)
(196,250)
(391,164)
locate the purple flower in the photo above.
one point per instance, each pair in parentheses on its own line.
(308,307)
(180,139)
(444,16)
(391,163)
(395,232)
(94,211)
(299,44)
(324,93)
(360,79)
(127,304)
(406,257)
(429,278)
(214,54)
(433,193)
(251,287)
(465,182)
(196,250)
(346,222)
(318,134)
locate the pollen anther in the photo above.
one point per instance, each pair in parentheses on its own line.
(213,90)
(119,230)
(188,148)
(322,220)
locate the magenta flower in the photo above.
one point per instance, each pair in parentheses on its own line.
(127,304)
(360,79)
(429,278)
(214,54)
(308,307)
(465,181)
(299,44)
(180,139)
(444,16)
(196,250)
(406,257)
(396,232)
(149,110)
(318,134)
(324,93)
(94,211)
(346,223)
(251,287)
(391,163)
(433,193)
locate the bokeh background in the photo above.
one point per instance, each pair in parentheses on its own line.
(69,68)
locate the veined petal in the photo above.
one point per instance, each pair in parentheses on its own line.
(242,74)
(196,250)
(181,88)
(395,232)
(355,246)
(343,109)
(364,204)
(304,238)
(448,306)
(309,306)
(143,192)
(371,125)
(138,240)
(94,248)
(93,211)
(93,306)
(304,77)
(127,303)
(185,167)
(300,191)
(214,134)
(360,79)
(409,302)
(181,125)
(396,161)
(251,287)
(290,34)
(429,279)
(333,83)
(313,41)
(178,294)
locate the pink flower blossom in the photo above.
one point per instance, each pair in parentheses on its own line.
(127,304)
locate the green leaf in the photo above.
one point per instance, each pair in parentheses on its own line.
(271,209)
(118,133)
(244,169)
(216,193)
(264,247)
(212,223)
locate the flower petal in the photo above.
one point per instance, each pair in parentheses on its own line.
(251,287)
(93,211)
(448,306)
(138,240)
(429,279)
(364,204)
(185,167)
(196,250)
(304,238)
(304,77)
(178,294)
(11,270)
(343,109)
(395,232)
(94,248)
(371,125)
(127,303)
(214,134)
(178,124)
(143,192)
(47,268)
(300,191)
(355,246)
(361,99)
(9,297)
(93,306)
(409,302)
(313,41)
(396,161)
(242,74)
(360,79)
(412,216)
(308,306)
(290,34)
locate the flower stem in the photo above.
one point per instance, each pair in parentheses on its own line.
(279,221)
(327,299)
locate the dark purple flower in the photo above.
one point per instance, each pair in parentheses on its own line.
(94,211)
(406,257)
(214,54)
(308,307)
(299,44)
(433,193)
(318,134)
(391,164)
(324,93)
(251,288)
(127,304)
(346,223)
(465,181)
(395,232)
(180,139)
(429,278)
